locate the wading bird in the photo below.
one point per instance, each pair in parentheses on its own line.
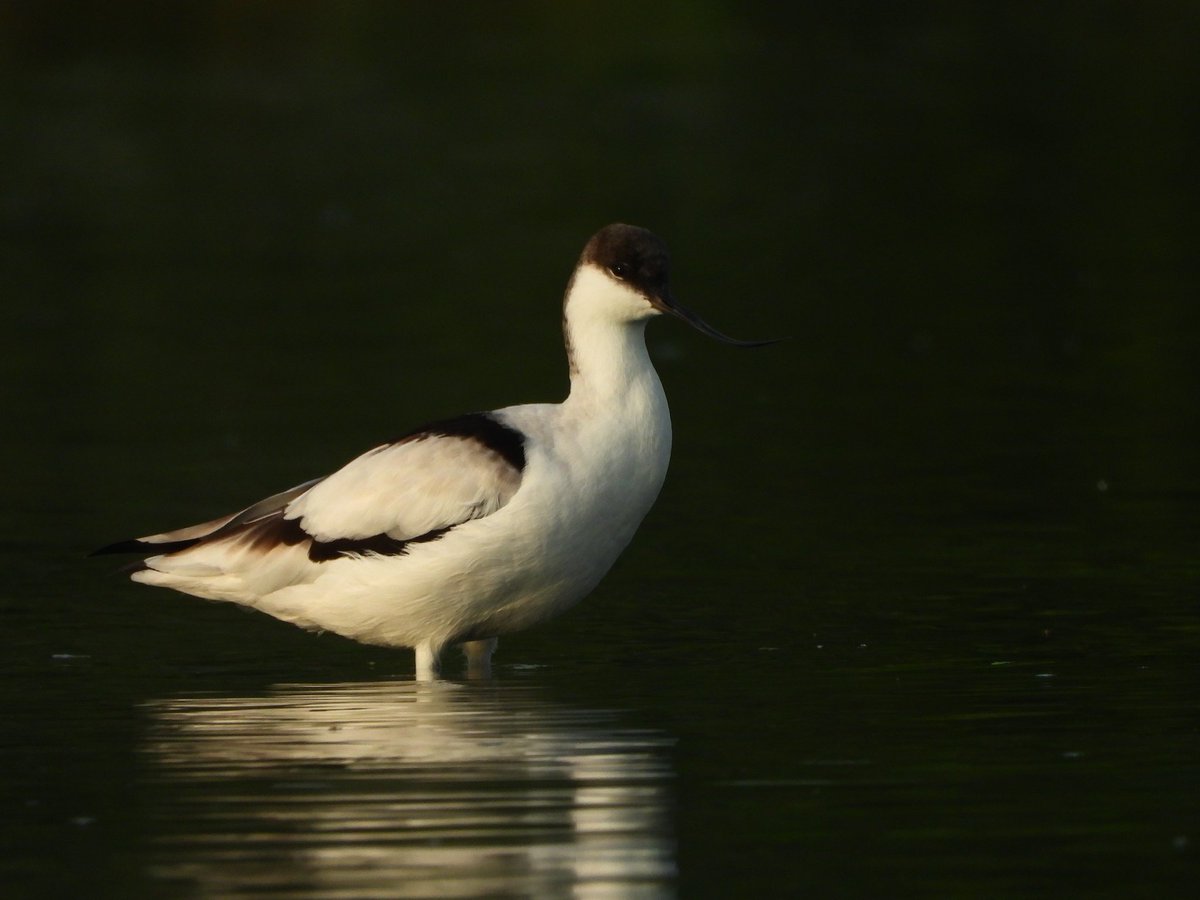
(472,527)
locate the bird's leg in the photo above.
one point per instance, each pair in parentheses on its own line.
(479,657)
(429,664)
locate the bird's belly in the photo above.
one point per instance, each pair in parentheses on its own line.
(519,566)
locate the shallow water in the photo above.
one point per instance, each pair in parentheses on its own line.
(916,612)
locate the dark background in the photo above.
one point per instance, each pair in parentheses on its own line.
(949,529)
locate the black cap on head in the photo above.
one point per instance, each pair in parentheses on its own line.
(639,258)
(633,255)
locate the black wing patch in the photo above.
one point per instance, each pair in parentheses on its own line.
(484,429)
(267,534)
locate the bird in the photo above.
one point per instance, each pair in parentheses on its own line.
(472,527)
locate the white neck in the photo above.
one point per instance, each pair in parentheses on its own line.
(616,397)
(605,333)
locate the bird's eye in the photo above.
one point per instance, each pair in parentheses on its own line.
(620,270)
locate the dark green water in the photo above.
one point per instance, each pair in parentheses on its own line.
(916,614)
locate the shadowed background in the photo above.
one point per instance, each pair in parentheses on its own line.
(916,610)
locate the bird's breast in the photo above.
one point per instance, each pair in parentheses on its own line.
(594,473)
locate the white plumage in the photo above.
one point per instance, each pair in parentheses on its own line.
(477,526)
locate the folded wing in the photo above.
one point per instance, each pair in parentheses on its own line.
(411,490)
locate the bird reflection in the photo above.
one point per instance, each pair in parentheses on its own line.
(407,789)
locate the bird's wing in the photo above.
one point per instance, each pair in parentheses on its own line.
(181,538)
(427,481)
(410,490)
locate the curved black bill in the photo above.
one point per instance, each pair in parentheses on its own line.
(669,305)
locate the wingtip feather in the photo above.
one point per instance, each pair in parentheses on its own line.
(133,545)
(136,545)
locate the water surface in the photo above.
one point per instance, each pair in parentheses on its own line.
(414,789)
